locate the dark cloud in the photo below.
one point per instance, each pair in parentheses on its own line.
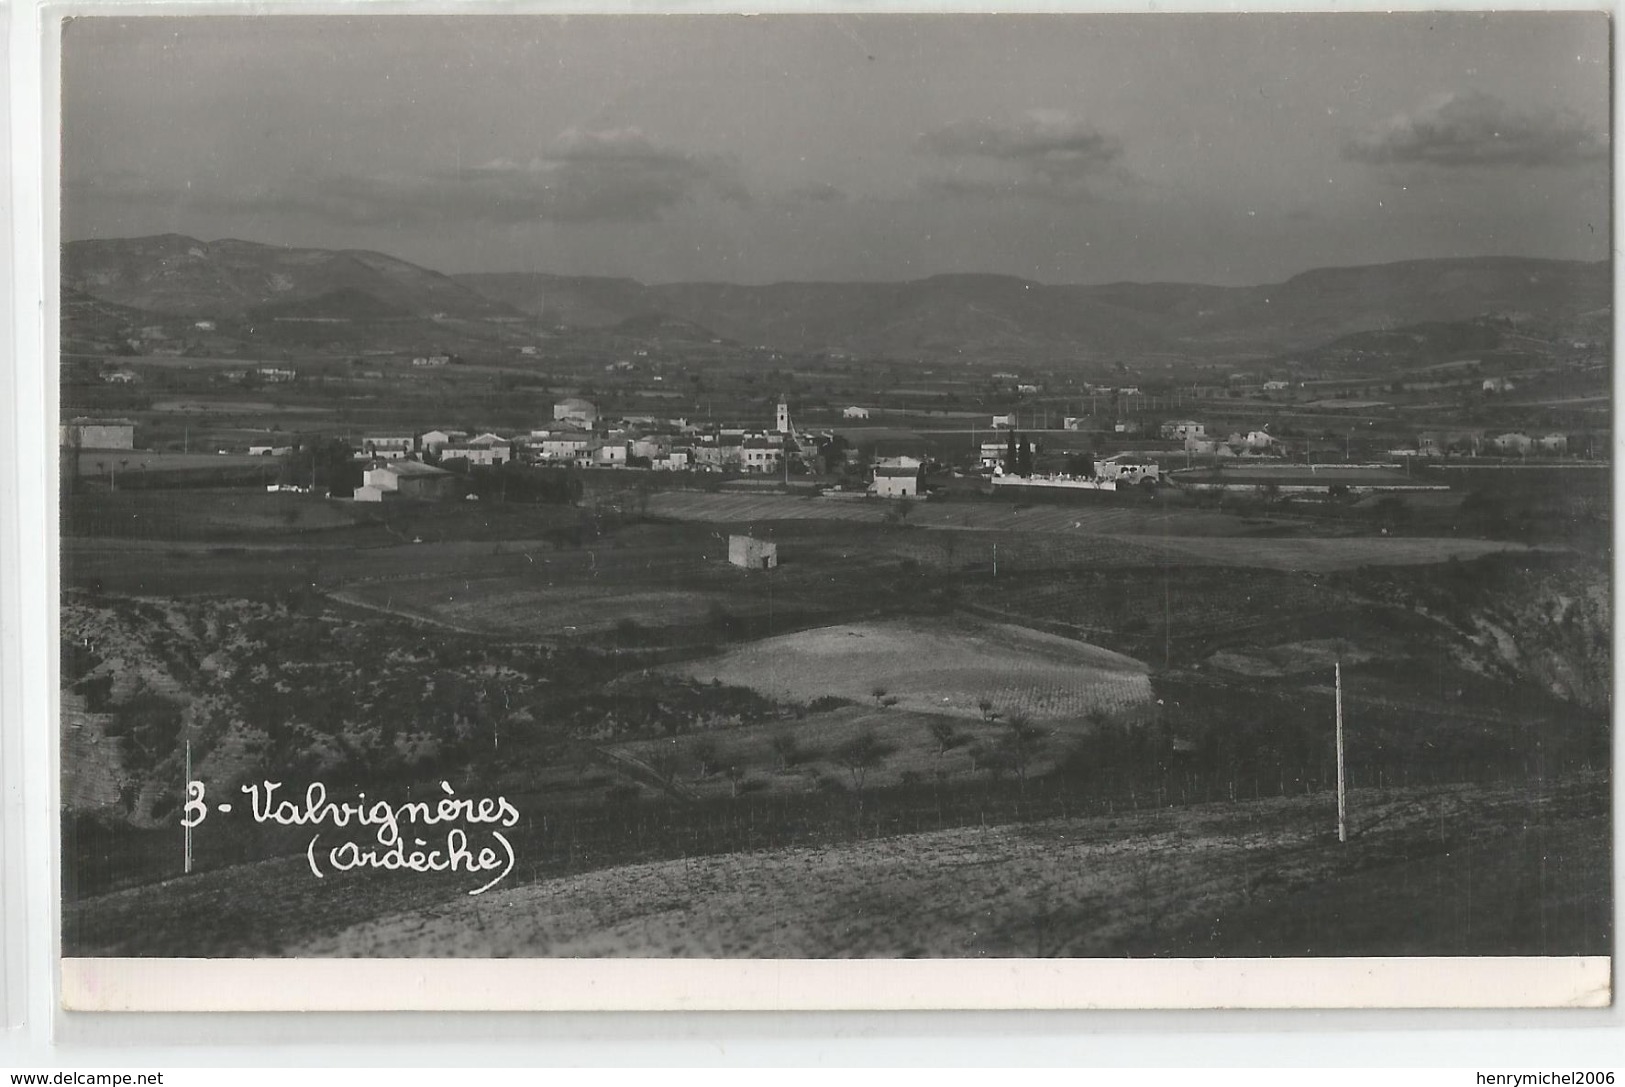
(1478,129)
(617,175)
(1048,154)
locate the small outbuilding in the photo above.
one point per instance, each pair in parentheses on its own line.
(753,554)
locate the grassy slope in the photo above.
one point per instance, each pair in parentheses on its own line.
(1441,870)
(1455,871)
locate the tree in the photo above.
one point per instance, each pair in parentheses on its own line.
(703,751)
(1010,453)
(1021,742)
(878,693)
(1024,458)
(862,753)
(946,736)
(787,748)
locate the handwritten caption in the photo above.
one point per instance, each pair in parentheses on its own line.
(393,845)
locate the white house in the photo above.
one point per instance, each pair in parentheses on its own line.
(566,447)
(753,554)
(1006,421)
(407,479)
(894,481)
(1184,430)
(1276,386)
(676,460)
(1127,468)
(486,454)
(1498,385)
(609,455)
(855,412)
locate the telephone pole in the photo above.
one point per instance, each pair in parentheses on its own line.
(1342,807)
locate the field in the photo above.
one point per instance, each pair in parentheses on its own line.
(1441,871)
(102,462)
(936,667)
(1117,535)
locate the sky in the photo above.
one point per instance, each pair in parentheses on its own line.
(1073,148)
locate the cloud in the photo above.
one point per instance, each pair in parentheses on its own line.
(1478,130)
(1047,154)
(613,175)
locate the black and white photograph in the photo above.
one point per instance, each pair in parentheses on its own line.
(1061,486)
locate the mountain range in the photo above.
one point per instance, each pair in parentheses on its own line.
(941,316)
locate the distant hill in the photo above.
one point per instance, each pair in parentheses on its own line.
(174,274)
(1003,315)
(981,316)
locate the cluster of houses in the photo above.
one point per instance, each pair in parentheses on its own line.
(1472,443)
(1196,439)
(580,437)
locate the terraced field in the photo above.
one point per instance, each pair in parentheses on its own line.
(936,667)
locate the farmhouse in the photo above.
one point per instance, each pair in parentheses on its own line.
(276,375)
(993,454)
(677,460)
(484,454)
(1184,430)
(1514,441)
(567,447)
(120,377)
(855,413)
(1006,421)
(434,441)
(1498,385)
(389,447)
(575,409)
(1027,390)
(609,455)
(407,479)
(1276,386)
(762,455)
(752,554)
(431,360)
(99,434)
(1553,443)
(896,481)
(1127,468)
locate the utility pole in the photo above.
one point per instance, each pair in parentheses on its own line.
(186,791)
(1342,803)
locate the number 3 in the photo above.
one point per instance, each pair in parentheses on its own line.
(196,809)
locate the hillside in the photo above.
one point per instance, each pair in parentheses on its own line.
(944,316)
(174,274)
(1003,315)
